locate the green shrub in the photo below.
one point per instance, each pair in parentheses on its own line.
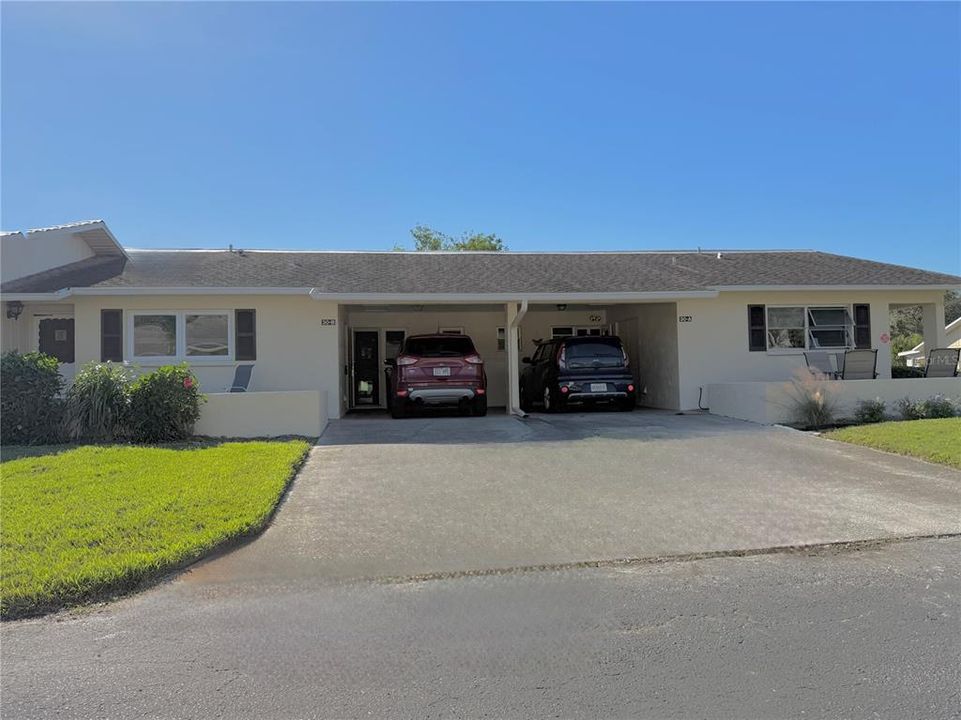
(30,403)
(902,371)
(938,406)
(98,403)
(870,411)
(165,404)
(909,409)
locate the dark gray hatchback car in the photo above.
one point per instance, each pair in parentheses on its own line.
(578,371)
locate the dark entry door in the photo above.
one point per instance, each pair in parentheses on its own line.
(56,338)
(366,357)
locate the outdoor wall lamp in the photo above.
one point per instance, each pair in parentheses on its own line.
(14,308)
(562,306)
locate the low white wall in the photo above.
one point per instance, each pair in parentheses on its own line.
(263,414)
(771,402)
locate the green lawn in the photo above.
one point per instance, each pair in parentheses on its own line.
(81,523)
(935,440)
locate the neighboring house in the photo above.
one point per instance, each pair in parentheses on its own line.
(325,322)
(916,356)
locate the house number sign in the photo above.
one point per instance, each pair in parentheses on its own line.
(328,321)
(685,318)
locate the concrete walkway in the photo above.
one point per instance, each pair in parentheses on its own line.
(400,498)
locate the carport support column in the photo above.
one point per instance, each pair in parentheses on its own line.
(515,313)
(932,326)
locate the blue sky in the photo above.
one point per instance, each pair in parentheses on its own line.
(557,126)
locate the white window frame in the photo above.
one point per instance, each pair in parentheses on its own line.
(451,330)
(807,329)
(500,339)
(180,329)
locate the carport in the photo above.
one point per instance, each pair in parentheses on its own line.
(505,332)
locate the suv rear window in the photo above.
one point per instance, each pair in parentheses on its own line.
(594,353)
(439,347)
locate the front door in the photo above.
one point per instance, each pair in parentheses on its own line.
(366,368)
(56,338)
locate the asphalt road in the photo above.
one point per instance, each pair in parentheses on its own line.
(868,633)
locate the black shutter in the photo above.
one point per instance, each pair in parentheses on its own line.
(757,328)
(111,335)
(862,326)
(245,334)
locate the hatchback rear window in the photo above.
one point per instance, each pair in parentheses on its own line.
(594,354)
(439,347)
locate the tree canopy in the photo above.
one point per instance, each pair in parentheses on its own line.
(428,239)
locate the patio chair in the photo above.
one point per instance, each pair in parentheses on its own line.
(860,365)
(942,362)
(820,362)
(241,378)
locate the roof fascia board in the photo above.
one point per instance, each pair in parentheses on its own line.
(190,291)
(37,297)
(798,288)
(454,298)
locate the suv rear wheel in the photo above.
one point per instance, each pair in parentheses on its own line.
(479,408)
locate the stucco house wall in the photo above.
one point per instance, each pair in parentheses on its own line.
(713,345)
(294,350)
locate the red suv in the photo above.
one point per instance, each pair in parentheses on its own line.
(437,370)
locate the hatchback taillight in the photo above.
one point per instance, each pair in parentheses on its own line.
(405,360)
(474,359)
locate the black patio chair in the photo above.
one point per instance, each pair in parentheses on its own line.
(942,362)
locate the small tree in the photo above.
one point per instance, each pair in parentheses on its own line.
(426,239)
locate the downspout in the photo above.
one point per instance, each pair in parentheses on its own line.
(514,374)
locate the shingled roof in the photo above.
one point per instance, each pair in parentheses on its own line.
(474,273)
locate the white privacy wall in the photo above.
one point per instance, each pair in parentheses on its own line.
(713,346)
(263,414)
(776,402)
(294,350)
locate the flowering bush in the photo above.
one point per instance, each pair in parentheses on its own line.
(30,404)
(98,403)
(165,404)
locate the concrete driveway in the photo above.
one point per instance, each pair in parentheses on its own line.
(382,498)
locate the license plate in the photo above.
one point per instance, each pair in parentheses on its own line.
(442,372)
(598,387)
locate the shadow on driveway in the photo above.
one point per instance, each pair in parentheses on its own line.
(499,428)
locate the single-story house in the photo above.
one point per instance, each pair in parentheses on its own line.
(917,356)
(703,329)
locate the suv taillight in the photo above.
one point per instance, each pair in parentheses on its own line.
(562,358)
(405,360)
(474,359)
